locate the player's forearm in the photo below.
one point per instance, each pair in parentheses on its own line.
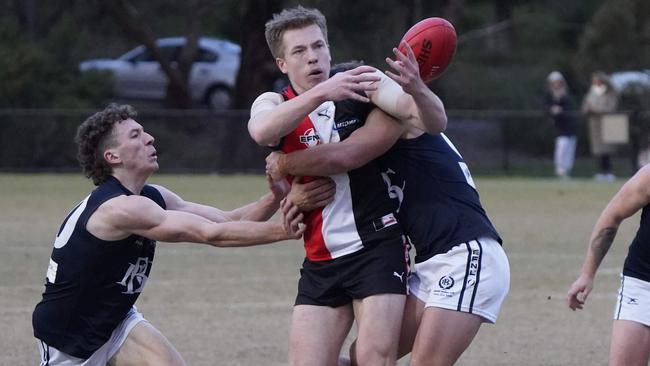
(600,243)
(323,160)
(261,210)
(241,234)
(431,112)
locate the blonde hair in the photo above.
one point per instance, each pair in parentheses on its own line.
(294,18)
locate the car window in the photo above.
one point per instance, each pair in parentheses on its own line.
(168,53)
(206,56)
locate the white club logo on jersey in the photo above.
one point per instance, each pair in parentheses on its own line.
(135,276)
(395,192)
(310,138)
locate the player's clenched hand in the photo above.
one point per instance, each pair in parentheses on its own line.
(273,167)
(405,70)
(345,85)
(579,291)
(292,219)
(312,195)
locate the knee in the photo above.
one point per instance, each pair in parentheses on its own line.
(374,354)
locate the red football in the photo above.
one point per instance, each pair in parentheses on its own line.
(433,41)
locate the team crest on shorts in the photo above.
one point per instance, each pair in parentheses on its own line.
(446,282)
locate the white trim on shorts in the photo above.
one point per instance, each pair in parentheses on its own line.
(51,356)
(633,302)
(472,277)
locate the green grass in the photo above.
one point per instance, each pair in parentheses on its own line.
(234,305)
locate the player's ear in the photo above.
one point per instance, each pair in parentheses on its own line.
(111,156)
(282,65)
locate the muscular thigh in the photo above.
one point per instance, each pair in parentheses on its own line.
(317,334)
(630,345)
(443,336)
(145,345)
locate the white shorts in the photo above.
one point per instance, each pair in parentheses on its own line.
(472,277)
(633,301)
(51,356)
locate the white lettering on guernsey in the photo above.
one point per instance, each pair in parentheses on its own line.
(468,176)
(51,271)
(65,234)
(135,276)
(394,192)
(463,167)
(346,123)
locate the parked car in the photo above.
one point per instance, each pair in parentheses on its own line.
(137,75)
(622,80)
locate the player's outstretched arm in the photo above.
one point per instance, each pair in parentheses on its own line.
(634,195)
(404,95)
(260,210)
(366,143)
(273,118)
(126,215)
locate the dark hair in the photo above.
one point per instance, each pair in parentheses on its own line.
(94,135)
(294,18)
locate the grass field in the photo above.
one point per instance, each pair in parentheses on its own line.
(232,306)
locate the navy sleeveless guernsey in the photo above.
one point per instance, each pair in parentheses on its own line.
(637,263)
(437,202)
(91,283)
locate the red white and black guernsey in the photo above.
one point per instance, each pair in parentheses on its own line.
(361,214)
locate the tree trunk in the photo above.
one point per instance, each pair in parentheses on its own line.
(257,71)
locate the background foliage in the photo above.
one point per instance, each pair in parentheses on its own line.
(506,47)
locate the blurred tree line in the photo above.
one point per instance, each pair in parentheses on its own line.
(506,47)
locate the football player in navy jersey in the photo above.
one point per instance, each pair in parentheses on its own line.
(357,229)
(461,272)
(630,343)
(104,250)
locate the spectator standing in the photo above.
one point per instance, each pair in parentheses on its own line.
(559,106)
(601,99)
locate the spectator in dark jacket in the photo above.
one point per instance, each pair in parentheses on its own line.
(559,106)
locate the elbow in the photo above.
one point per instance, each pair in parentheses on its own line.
(260,135)
(443,122)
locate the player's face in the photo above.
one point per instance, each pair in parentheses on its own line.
(306,57)
(133,148)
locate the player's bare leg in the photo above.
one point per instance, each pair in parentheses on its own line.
(630,344)
(317,334)
(379,318)
(413,311)
(443,336)
(145,346)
